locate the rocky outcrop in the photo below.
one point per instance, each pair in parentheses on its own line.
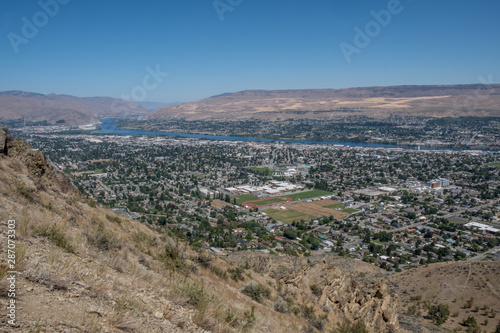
(3,141)
(334,286)
(347,297)
(39,168)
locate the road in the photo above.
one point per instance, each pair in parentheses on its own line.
(105,186)
(481,256)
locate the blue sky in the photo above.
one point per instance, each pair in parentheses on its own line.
(103,48)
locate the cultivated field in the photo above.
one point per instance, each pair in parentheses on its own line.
(374,102)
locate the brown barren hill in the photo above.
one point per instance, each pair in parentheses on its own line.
(378,102)
(70,110)
(467,288)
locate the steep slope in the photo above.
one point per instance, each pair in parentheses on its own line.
(83,268)
(70,110)
(453,284)
(432,101)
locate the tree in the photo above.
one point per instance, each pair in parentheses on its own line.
(459,255)
(439,313)
(366,239)
(290,233)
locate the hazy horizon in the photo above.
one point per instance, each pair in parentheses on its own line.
(186,51)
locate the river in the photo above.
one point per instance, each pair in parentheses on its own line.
(108,126)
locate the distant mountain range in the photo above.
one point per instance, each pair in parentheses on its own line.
(65,109)
(482,100)
(378,102)
(151,106)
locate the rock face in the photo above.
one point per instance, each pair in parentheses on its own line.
(39,168)
(3,141)
(346,297)
(341,288)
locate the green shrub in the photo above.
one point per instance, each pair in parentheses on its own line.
(469,303)
(192,293)
(470,322)
(204,261)
(412,309)
(439,313)
(249,320)
(346,326)
(102,240)
(114,219)
(256,291)
(308,312)
(24,191)
(281,306)
(316,290)
(173,255)
(91,203)
(57,237)
(236,274)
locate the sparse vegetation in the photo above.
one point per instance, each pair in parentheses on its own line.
(469,303)
(24,191)
(282,306)
(102,240)
(56,236)
(316,290)
(471,324)
(173,256)
(439,313)
(346,326)
(236,274)
(256,291)
(114,219)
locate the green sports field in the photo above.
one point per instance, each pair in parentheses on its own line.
(245,197)
(262,170)
(494,164)
(269,201)
(309,194)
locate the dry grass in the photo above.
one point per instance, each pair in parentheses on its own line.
(452,284)
(44,275)
(123,316)
(311,208)
(220,204)
(326,202)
